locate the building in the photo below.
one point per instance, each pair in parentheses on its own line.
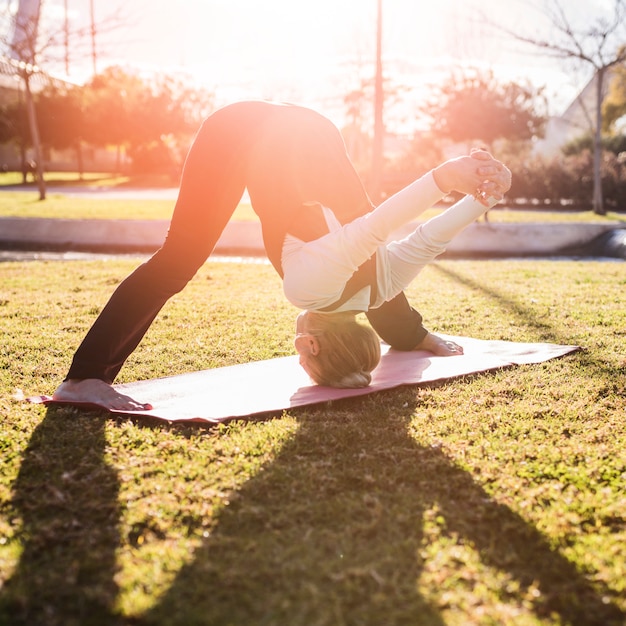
(577,119)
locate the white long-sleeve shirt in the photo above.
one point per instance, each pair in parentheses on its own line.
(316,272)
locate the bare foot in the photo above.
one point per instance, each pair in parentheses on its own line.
(439,346)
(95,391)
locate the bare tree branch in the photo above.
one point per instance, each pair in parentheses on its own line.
(599,44)
(27,45)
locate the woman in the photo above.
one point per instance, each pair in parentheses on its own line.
(293,162)
(334,349)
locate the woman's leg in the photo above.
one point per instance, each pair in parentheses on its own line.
(407,258)
(212,184)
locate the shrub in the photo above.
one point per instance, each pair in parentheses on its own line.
(568,180)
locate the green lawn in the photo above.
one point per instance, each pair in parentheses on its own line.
(88,179)
(494,499)
(57,205)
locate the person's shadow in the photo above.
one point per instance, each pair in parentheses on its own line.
(67,498)
(358,522)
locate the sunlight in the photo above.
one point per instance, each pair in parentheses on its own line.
(456,581)
(157,548)
(311,53)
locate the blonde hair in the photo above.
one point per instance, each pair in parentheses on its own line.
(348,350)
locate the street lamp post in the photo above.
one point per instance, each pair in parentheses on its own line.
(93,37)
(379,129)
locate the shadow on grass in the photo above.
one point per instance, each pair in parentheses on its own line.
(67,498)
(331,533)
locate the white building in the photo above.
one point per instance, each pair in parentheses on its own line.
(578,119)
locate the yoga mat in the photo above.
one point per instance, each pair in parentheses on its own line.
(261,387)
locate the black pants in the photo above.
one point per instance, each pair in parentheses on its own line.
(286,156)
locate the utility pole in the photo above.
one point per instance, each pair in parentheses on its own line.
(66,32)
(93,37)
(379,128)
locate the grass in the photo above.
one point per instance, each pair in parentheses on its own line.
(494,499)
(89,180)
(63,206)
(57,205)
(93,202)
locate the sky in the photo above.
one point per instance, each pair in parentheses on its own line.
(314,52)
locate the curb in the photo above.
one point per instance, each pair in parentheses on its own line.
(100,235)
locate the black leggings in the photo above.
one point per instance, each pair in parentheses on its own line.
(286,156)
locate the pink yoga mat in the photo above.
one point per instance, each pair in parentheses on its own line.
(261,387)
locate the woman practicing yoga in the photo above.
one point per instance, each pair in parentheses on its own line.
(334,348)
(312,206)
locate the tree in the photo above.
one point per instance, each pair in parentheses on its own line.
(125,110)
(60,112)
(614,105)
(6,127)
(29,48)
(597,43)
(23,50)
(109,99)
(472,106)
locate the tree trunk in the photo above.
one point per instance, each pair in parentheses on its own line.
(598,202)
(34,133)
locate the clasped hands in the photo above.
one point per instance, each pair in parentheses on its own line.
(478,175)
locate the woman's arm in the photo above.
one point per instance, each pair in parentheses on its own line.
(398,323)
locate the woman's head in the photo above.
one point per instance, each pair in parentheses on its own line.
(336,350)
